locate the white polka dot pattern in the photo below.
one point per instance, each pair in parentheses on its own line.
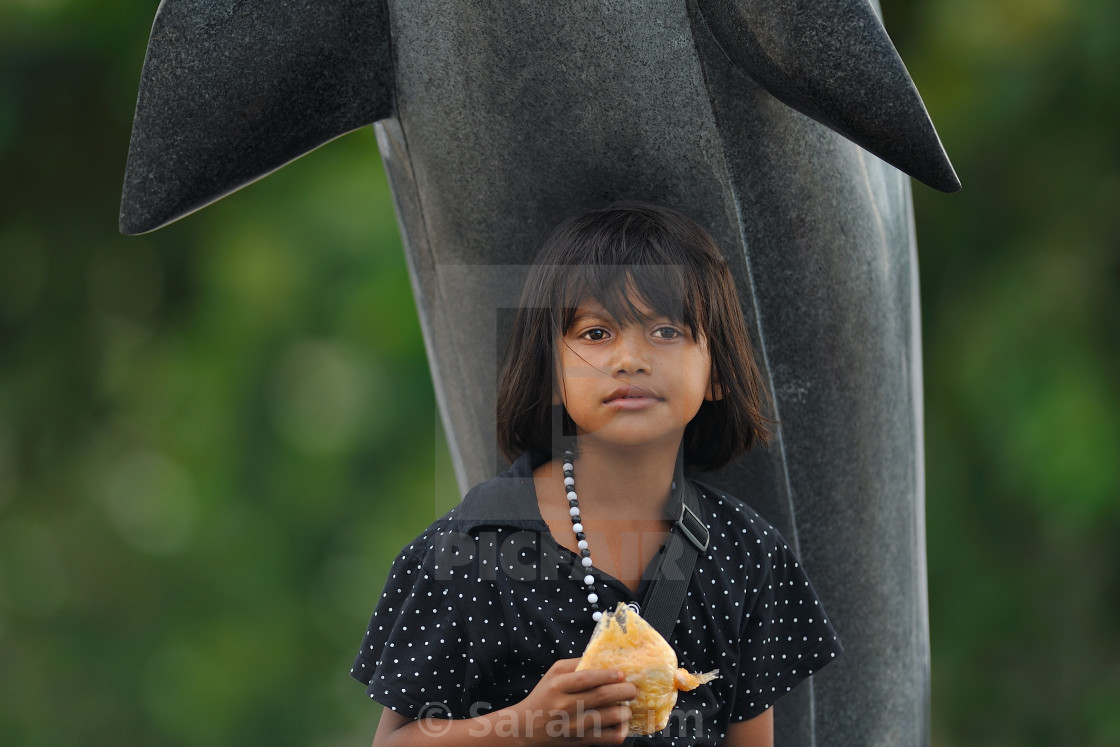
(476,609)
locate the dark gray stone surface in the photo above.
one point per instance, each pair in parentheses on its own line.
(498,118)
(233,90)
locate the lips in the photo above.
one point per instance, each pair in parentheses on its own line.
(628,395)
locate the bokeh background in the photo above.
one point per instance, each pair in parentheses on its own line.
(214,438)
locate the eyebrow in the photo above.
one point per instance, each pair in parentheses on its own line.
(605,316)
(582,316)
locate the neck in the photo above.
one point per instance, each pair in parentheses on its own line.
(626,482)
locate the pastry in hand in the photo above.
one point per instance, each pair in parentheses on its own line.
(623,640)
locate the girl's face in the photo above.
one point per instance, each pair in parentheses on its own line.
(631,384)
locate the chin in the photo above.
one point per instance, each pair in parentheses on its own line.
(630,439)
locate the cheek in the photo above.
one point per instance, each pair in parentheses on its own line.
(563,373)
(557,382)
(570,378)
(697,365)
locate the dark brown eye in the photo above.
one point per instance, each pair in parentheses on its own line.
(595,334)
(667,333)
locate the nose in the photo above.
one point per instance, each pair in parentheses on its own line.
(631,353)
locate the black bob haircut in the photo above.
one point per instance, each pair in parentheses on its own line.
(626,253)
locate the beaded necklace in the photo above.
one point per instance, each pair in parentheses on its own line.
(581,536)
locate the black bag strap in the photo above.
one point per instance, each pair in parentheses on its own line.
(687,539)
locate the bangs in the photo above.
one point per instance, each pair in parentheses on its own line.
(636,260)
(629,293)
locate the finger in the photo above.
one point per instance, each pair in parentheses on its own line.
(588,679)
(610,694)
(605,725)
(563,666)
(612,735)
(594,720)
(615,715)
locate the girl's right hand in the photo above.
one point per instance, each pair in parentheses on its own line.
(578,708)
(566,707)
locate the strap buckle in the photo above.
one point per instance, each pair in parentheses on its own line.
(693,529)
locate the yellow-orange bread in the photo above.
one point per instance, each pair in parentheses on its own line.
(623,640)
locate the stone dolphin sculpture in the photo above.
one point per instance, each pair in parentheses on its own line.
(494,119)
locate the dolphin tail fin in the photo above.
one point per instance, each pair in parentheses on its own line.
(231,91)
(835,63)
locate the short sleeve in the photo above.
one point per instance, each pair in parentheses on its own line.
(414,657)
(785,638)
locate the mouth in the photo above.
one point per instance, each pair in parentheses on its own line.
(631,396)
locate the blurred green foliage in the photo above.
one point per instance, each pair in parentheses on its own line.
(1021,323)
(214,438)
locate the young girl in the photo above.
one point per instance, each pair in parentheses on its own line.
(629,360)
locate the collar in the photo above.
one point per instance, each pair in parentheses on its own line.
(510,500)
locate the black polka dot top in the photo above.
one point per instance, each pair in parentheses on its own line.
(480,605)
